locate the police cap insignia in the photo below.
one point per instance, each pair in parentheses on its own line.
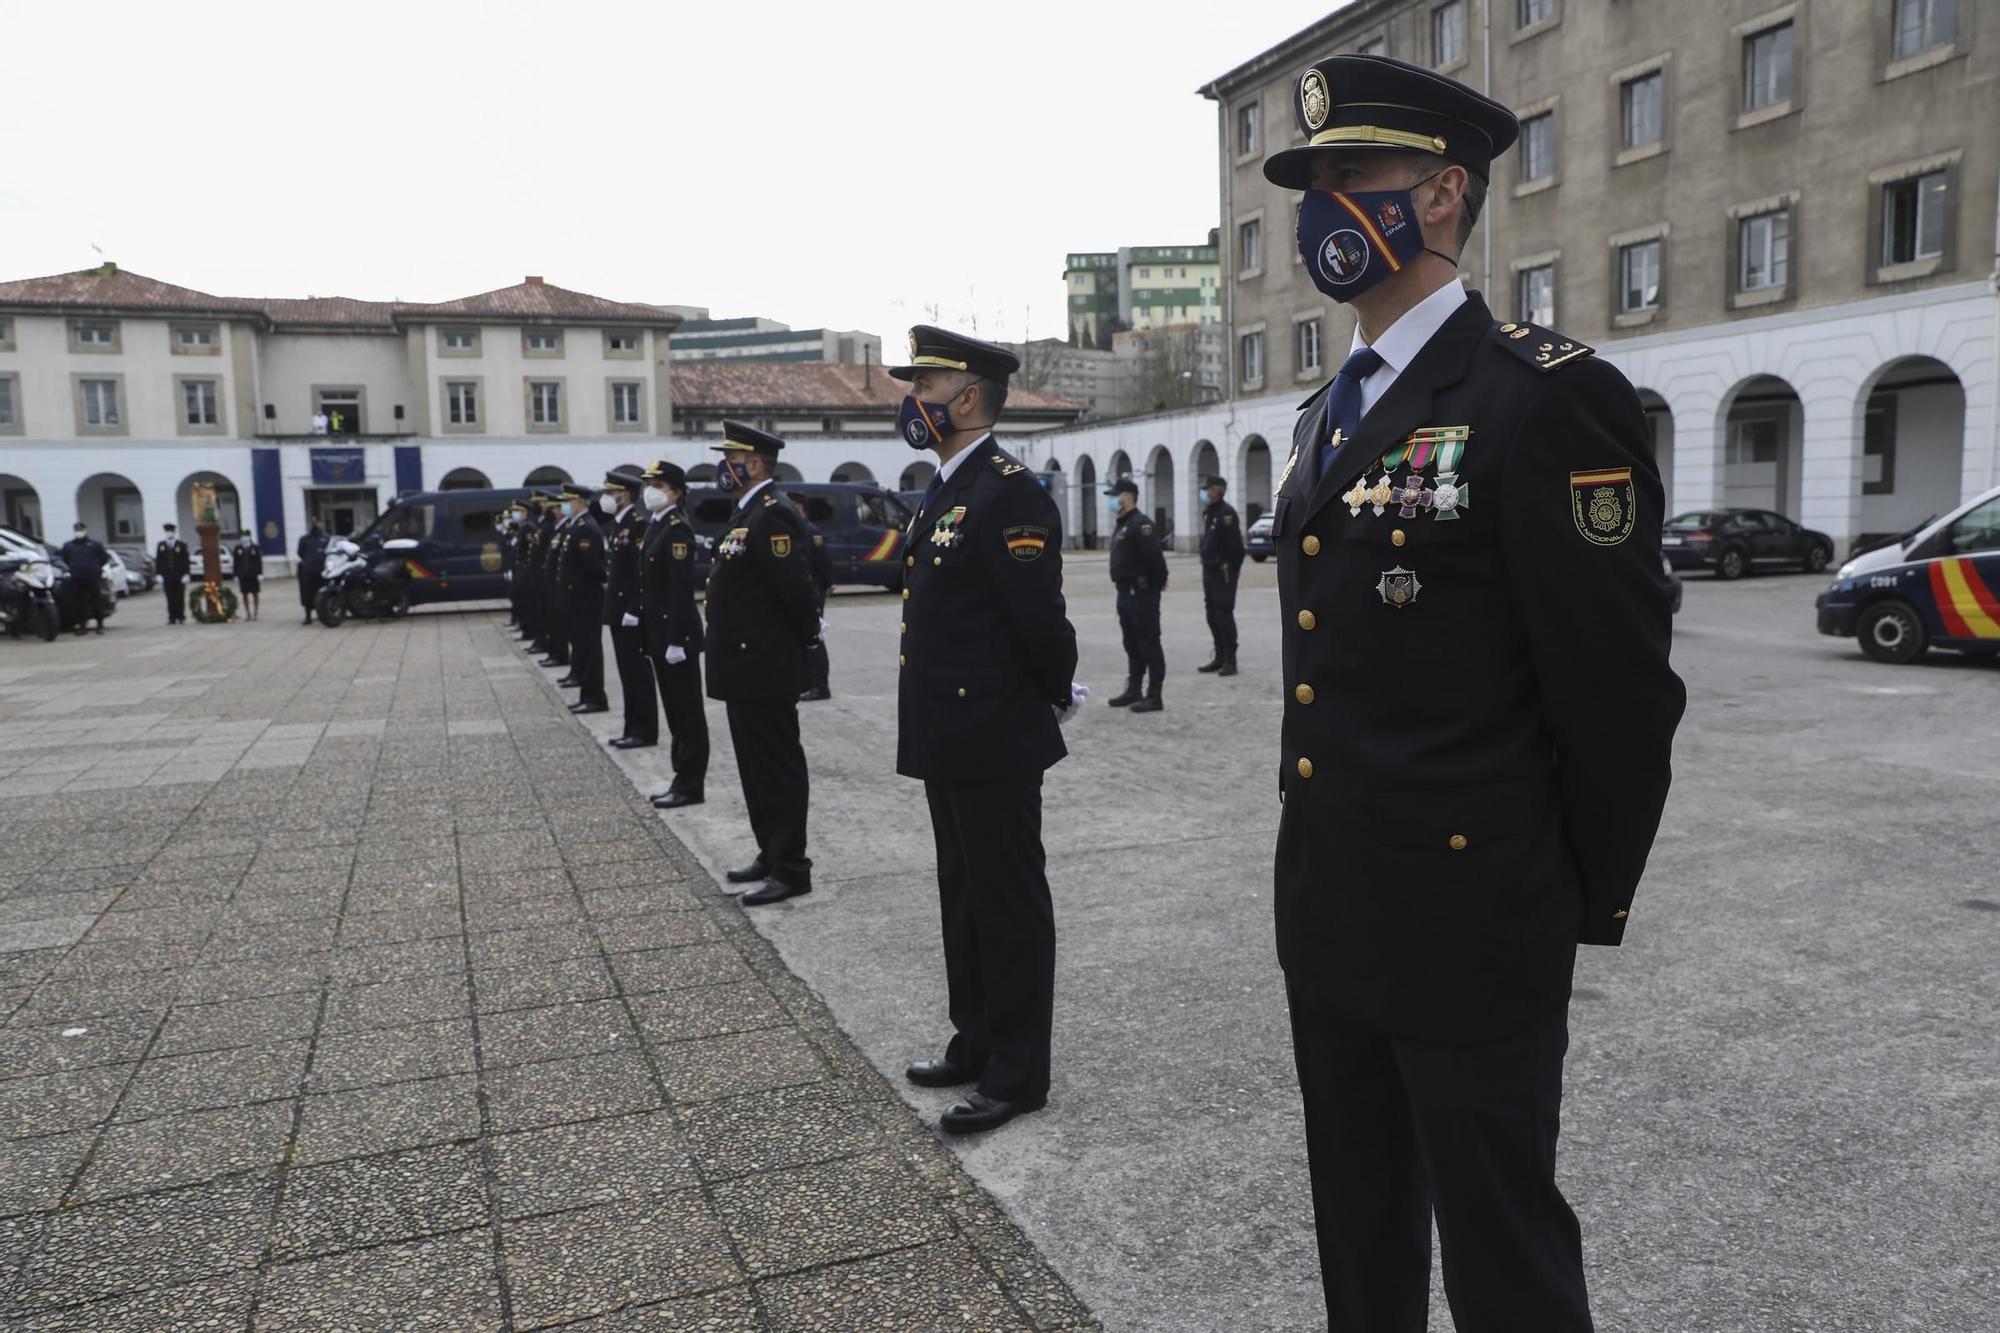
(1313,100)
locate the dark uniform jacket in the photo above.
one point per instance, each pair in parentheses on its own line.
(1136,557)
(666,586)
(1478,706)
(762,610)
(987,648)
(819,562)
(555,537)
(86,558)
(312,554)
(581,566)
(1221,537)
(170,560)
(247,559)
(623,538)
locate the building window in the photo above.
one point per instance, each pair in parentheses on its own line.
(1639,277)
(1527,13)
(1878,445)
(93,336)
(194,339)
(1448,33)
(1764,246)
(458,342)
(461,403)
(1640,105)
(100,403)
(1250,246)
(541,342)
(10,415)
(621,344)
(198,403)
(1538,147)
(6,335)
(625,409)
(1252,345)
(1913,218)
(1249,125)
(1308,341)
(544,403)
(1767,68)
(1752,440)
(1537,299)
(1923,24)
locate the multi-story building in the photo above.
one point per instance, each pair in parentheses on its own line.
(1778,219)
(1085,375)
(1141,287)
(1091,281)
(699,338)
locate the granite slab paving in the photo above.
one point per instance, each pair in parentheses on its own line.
(347,983)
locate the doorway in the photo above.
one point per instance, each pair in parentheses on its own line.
(342,513)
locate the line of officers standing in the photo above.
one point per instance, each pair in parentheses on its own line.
(624,557)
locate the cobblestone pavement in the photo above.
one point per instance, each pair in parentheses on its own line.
(347,984)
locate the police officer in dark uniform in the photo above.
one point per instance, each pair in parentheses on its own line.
(986,670)
(674,630)
(626,533)
(1221,567)
(86,558)
(510,560)
(581,571)
(819,667)
(555,628)
(311,565)
(1478,717)
(1139,569)
(534,592)
(762,613)
(173,564)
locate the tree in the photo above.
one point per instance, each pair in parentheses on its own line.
(1167,372)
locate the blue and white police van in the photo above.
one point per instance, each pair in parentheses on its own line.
(1936,587)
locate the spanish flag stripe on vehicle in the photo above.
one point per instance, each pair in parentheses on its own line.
(884,548)
(417,571)
(1965,604)
(1368,225)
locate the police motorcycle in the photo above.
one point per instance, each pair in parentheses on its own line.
(28,594)
(367,583)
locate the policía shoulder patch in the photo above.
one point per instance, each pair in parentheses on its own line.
(680,550)
(1026,541)
(781,544)
(1601,502)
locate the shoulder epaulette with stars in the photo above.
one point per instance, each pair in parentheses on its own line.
(769,500)
(1544,349)
(1004,465)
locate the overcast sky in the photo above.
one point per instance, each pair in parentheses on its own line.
(825,163)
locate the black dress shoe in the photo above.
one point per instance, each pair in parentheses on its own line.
(581,707)
(771,891)
(814,695)
(978,1113)
(632,743)
(567,683)
(1150,704)
(1127,699)
(1215,665)
(674,800)
(1228,666)
(749,874)
(939,1074)
(551,660)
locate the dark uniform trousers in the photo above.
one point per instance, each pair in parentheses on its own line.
(635,682)
(1139,623)
(999,931)
(776,788)
(586,651)
(819,667)
(687,721)
(1399,1130)
(1218,594)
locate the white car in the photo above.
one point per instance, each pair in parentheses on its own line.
(124,581)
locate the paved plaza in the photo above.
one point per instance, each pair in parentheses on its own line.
(348,983)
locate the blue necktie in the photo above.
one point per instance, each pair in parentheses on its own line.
(1343,401)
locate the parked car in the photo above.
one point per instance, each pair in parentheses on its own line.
(123,581)
(862,523)
(1257,541)
(197,566)
(1733,542)
(1675,579)
(1939,588)
(140,565)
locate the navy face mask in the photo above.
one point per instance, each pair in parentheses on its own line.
(732,476)
(923,425)
(1350,242)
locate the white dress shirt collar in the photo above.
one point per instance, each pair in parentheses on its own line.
(1401,341)
(951,465)
(747,495)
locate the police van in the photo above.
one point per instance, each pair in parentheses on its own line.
(1938,586)
(457,536)
(863,526)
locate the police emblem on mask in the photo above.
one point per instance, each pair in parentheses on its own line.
(1314,99)
(1344,257)
(915,432)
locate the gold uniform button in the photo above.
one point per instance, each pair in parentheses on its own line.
(1305,768)
(1307,620)
(743,647)
(961,691)
(904,627)
(1618,915)
(901,660)
(1310,545)
(1458,842)
(906,594)
(1397,538)
(908,560)
(937,559)
(1304,694)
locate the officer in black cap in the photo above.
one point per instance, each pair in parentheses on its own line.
(556,523)
(987,665)
(510,561)
(1139,570)
(1221,567)
(762,614)
(1478,717)
(673,630)
(580,571)
(625,532)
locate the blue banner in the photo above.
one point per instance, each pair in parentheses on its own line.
(409,468)
(268,487)
(339,467)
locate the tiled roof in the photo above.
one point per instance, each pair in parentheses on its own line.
(109,287)
(725,385)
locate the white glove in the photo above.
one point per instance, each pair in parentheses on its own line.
(628,620)
(1077,694)
(823,627)
(676,654)
(507,577)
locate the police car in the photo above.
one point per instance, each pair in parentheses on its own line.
(1937,587)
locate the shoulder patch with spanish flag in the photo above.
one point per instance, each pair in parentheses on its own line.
(781,544)
(1601,502)
(1026,541)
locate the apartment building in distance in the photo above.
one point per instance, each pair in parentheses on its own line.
(754,338)
(1141,287)
(1778,219)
